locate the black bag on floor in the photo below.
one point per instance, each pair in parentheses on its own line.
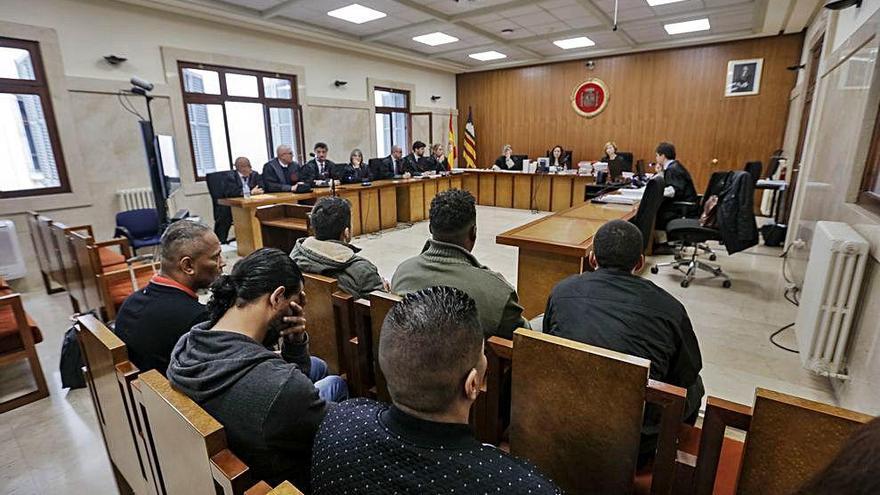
(71,363)
(773,234)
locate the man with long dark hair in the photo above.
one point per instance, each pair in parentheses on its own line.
(270,404)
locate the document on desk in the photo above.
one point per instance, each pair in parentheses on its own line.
(632,193)
(618,199)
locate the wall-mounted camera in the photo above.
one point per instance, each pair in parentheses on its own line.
(339,83)
(434,98)
(590,64)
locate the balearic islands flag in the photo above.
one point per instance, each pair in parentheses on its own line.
(470,142)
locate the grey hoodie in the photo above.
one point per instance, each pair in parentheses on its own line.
(265,402)
(336,259)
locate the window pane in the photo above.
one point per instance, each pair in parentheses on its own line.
(28,159)
(242,85)
(383,134)
(281,123)
(399,125)
(15,63)
(208,138)
(201,81)
(247,131)
(389,99)
(277,88)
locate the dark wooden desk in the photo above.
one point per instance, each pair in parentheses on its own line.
(556,246)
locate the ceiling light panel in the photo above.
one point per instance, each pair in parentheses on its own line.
(688,26)
(579,42)
(487,56)
(435,39)
(356,13)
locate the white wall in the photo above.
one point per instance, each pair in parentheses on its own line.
(101,143)
(849,20)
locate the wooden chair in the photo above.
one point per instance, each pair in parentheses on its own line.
(18,338)
(109,375)
(326,337)
(41,251)
(788,441)
(577,410)
(185,445)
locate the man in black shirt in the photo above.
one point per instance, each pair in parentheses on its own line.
(152,319)
(617,310)
(413,162)
(431,352)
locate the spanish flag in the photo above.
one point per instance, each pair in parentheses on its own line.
(453,152)
(470,142)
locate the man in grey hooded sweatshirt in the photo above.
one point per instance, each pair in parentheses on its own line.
(329,253)
(269,404)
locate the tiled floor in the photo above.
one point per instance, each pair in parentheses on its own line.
(54,446)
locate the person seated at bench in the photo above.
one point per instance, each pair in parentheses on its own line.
(329,253)
(270,404)
(854,471)
(613,308)
(446,259)
(152,319)
(431,351)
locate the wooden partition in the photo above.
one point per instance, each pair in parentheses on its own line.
(380,304)
(325,337)
(674,95)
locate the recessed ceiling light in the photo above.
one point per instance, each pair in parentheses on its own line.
(435,39)
(578,42)
(486,56)
(654,3)
(356,13)
(687,26)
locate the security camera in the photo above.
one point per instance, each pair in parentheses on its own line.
(590,64)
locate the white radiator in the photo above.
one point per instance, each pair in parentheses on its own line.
(828,299)
(135,199)
(11,261)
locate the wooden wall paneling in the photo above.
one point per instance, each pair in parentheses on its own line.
(370,210)
(522,192)
(388,207)
(430,190)
(487,190)
(456,182)
(471,184)
(504,190)
(674,95)
(579,185)
(443,184)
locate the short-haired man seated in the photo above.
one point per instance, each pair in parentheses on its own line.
(270,404)
(431,352)
(329,253)
(152,319)
(615,309)
(446,259)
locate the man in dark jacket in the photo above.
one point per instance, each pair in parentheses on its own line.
(679,186)
(392,165)
(269,404)
(446,259)
(281,173)
(152,319)
(413,163)
(614,309)
(431,351)
(329,253)
(242,181)
(318,168)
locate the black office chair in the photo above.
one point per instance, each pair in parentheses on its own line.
(628,159)
(755,169)
(648,207)
(688,234)
(222,213)
(373,167)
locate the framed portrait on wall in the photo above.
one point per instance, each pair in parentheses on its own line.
(743,77)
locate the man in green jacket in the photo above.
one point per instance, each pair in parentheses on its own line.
(329,253)
(446,259)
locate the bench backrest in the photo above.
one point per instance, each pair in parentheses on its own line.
(39,242)
(380,304)
(186,446)
(790,439)
(56,271)
(109,375)
(89,270)
(576,411)
(325,336)
(69,264)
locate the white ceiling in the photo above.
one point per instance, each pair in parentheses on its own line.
(479,23)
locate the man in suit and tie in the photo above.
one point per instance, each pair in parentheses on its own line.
(281,173)
(414,162)
(392,165)
(319,167)
(237,183)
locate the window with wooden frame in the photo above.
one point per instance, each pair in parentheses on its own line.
(32,162)
(392,120)
(238,112)
(869,195)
